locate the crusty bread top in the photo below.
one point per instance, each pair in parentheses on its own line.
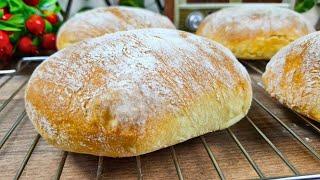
(251,21)
(293,75)
(136,75)
(99,21)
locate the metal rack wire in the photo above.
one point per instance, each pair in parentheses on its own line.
(291,166)
(297,175)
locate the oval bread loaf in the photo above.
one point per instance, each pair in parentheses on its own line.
(134,92)
(100,21)
(293,76)
(254,31)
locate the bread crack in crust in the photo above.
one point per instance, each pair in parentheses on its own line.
(135,92)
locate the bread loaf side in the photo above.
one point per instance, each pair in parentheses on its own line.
(138,91)
(293,76)
(254,32)
(105,20)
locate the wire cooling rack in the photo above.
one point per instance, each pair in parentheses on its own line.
(300,158)
(271,142)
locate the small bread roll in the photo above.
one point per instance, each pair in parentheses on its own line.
(103,20)
(254,31)
(293,76)
(133,92)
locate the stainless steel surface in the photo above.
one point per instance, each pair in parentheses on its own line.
(193,20)
(9,71)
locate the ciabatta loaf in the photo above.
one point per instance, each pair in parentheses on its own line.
(138,91)
(254,31)
(293,76)
(103,20)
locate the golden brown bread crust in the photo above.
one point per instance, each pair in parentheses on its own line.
(104,20)
(293,76)
(134,92)
(254,32)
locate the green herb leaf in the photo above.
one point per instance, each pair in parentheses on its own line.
(29,10)
(48,26)
(3,3)
(36,41)
(1,12)
(304,5)
(6,27)
(56,27)
(16,6)
(57,9)
(15,23)
(14,37)
(16,20)
(134,3)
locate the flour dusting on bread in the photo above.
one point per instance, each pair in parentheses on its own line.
(109,92)
(103,20)
(293,75)
(131,66)
(254,32)
(258,17)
